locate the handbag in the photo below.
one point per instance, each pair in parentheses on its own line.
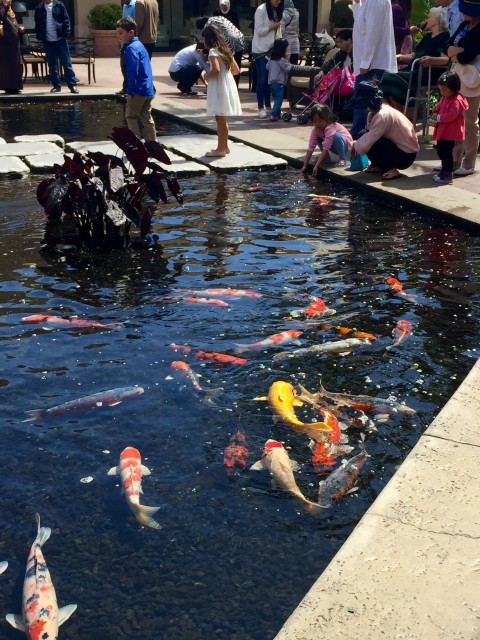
(347,82)
(468,74)
(358,162)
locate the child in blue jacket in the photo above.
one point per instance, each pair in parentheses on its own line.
(140,90)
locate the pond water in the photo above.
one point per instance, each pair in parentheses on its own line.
(234,557)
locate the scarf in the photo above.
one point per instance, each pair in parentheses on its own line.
(289,8)
(224,2)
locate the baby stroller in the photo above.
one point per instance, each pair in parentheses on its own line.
(321,94)
(321,44)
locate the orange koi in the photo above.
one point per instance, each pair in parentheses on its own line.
(41,616)
(396,286)
(316,196)
(234,293)
(401,332)
(69,322)
(236,454)
(346,331)
(221,358)
(131,470)
(276,340)
(383,406)
(184,369)
(324,455)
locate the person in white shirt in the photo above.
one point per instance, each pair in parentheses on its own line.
(187,66)
(373,48)
(267,22)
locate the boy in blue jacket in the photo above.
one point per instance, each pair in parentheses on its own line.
(140,90)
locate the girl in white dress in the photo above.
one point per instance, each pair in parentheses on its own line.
(222,92)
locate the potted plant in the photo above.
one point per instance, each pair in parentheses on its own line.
(103,21)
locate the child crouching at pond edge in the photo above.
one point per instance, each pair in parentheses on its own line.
(278,69)
(331,137)
(449,122)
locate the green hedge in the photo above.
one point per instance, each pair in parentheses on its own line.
(105,16)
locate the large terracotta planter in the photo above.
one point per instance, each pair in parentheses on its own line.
(106,43)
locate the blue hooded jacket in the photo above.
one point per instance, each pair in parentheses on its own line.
(139,70)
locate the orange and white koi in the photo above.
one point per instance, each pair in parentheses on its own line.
(316,309)
(41,616)
(316,196)
(401,332)
(131,471)
(185,371)
(194,299)
(221,358)
(283,398)
(233,293)
(3,566)
(324,455)
(236,454)
(109,398)
(284,337)
(384,406)
(396,286)
(276,460)
(341,481)
(70,322)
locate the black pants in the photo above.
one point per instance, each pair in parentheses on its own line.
(386,155)
(149,46)
(186,77)
(123,68)
(238,60)
(445,153)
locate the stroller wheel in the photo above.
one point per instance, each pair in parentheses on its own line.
(302,119)
(286,116)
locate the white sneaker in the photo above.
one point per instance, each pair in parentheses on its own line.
(463,171)
(262,114)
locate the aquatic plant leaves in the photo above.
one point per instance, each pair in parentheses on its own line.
(175,189)
(146,222)
(157,151)
(104,159)
(51,196)
(115,213)
(132,147)
(154,184)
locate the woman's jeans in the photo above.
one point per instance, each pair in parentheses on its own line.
(277,89)
(263,88)
(339,146)
(59,49)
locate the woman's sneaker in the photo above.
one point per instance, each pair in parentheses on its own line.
(262,114)
(444,177)
(463,171)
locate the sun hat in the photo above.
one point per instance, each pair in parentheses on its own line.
(469,8)
(367,96)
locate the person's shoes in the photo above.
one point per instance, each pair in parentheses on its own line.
(274,118)
(444,177)
(74,90)
(120,93)
(56,90)
(463,171)
(262,114)
(189,93)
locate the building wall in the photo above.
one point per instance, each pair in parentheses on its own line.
(82,9)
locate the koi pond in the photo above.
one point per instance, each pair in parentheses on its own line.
(234,556)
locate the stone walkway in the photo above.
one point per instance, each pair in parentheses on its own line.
(411,568)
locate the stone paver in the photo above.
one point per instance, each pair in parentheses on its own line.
(42,137)
(22,149)
(44,163)
(13,168)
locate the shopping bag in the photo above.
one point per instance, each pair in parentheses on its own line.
(347,82)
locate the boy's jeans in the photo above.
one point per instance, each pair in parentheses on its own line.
(277,91)
(339,147)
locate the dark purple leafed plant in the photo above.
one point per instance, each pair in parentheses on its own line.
(104,197)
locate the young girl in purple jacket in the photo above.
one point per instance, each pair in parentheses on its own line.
(449,122)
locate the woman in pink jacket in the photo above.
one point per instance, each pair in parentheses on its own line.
(449,123)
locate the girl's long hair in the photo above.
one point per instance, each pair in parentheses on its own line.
(274,14)
(279,49)
(214,40)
